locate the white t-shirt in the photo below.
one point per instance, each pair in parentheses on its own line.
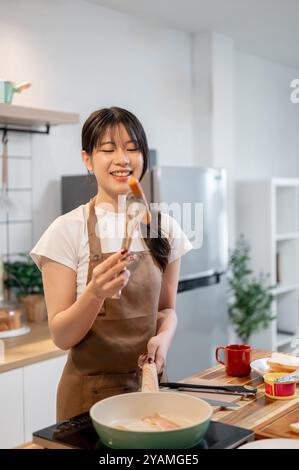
(66,239)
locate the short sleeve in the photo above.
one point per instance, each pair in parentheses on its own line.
(58,243)
(179,242)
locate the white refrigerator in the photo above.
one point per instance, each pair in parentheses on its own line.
(202,293)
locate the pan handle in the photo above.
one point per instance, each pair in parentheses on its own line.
(149,381)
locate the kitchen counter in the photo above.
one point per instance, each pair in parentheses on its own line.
(30,348)
(255,413)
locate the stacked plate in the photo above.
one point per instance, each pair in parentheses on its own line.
(272,444)
(260,366)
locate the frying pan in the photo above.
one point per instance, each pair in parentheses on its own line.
(120,409)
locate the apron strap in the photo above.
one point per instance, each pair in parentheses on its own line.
(95,248)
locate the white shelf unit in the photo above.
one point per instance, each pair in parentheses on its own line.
(267,214)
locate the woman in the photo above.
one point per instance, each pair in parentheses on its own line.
(83,268)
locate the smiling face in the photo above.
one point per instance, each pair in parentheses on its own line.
(114,159)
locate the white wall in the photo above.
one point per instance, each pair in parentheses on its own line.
(80,57)
(267,123)
(214,108)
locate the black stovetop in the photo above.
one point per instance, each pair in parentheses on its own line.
(79,433)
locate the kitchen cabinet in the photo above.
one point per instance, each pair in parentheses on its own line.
(11,408)
(40,385)
(28,400)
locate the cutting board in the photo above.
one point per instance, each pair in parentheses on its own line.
(280,427)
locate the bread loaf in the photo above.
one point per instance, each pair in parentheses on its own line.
(281,362)
(10,320)
(295,427)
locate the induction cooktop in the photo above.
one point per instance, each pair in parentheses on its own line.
(79,433)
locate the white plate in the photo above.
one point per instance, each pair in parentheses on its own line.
(272,444)
(15,332)
(260,366)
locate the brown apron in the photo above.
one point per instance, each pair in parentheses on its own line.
(104,363)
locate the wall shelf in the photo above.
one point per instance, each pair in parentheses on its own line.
(283,289)
(287,236)
(284,339)
(33,118)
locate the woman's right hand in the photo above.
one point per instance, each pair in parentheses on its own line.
(112,275)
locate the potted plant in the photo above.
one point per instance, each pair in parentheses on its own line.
(25,279)
(250,297)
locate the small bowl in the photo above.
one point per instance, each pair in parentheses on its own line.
(279,391)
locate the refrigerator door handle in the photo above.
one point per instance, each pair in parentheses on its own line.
(199,275)
(195,281)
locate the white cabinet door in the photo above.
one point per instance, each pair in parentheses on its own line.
(11,409)
(40,385)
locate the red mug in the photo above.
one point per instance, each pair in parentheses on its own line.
(237,358)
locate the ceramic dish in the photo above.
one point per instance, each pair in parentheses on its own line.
(261,366)
(16,332)
(272,444)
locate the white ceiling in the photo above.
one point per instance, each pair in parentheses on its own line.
(268,28)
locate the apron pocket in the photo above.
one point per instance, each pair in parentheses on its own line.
(98,387)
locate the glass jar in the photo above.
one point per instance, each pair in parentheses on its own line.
(12,320)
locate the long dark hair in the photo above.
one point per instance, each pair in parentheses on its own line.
(93,130)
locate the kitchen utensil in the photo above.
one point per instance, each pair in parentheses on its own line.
(8,88)
(5,203)
(121,409)
(22,86)
(237,359)
(137,192)
(244,390)
(137,211)
(279,391)
(293,376)
(215,397)
(222,404)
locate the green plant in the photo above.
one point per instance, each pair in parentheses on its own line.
(250,298)
(24,276)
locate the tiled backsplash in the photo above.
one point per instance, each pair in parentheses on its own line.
(16,234)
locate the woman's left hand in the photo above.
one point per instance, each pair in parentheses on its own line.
(157,349)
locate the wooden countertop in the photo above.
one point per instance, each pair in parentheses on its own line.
(30,348)
(255,413)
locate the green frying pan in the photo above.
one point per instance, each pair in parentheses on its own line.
(121,409)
